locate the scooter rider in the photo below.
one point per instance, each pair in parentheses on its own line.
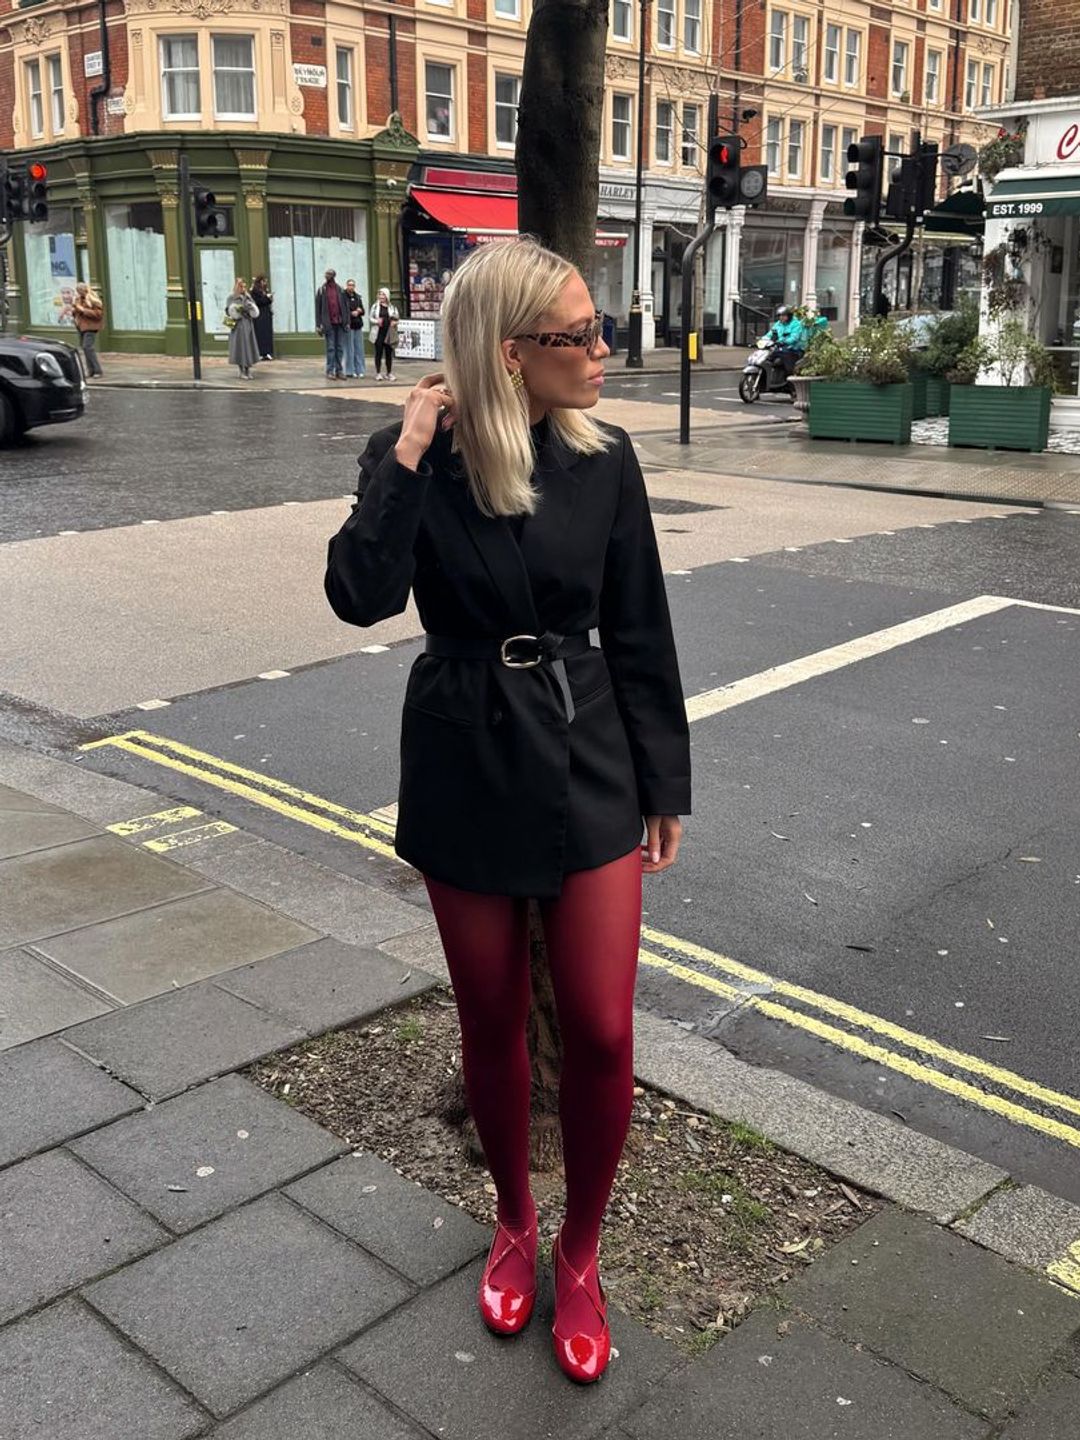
(789,334)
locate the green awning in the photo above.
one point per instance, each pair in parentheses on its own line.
(1034,194)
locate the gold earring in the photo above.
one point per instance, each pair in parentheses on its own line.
(517,380)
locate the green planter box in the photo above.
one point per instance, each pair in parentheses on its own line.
(857,410)
(937,395)
(919,395)
(1000,417)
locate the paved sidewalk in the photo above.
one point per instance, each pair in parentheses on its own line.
(185,1256)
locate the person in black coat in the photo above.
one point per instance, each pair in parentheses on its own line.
(264,325)
(531,761)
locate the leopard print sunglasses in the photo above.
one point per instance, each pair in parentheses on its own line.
(584,339)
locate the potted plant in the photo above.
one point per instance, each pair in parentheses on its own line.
(1013,414)
(1005,150)
(864,391)
(950,335)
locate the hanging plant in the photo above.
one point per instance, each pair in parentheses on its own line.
(1005,150)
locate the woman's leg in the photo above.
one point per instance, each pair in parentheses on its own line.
(593,930)
(380,346)
(389,362)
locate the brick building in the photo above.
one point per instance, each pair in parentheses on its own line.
(283,106)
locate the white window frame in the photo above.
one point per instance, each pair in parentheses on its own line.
(624,8)
(690,136)
(974,12)
(503,105)
(933,74)
(849,135)
(901,59)
(667,9)
(451,110)
(971,84)
(668,130)
(831,73)
(345,89)
(933,4)
(796,144)
(234,70)
(991,14)
(800,45)
(163,41)
(508,9)
(621,123)
(692,19)
(774,144)
(778,36)
(54,65)
(35,98)
(827,171)
(853,54)
(986,85)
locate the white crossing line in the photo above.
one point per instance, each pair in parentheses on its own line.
(274,674)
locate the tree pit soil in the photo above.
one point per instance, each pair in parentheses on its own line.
(707,1219)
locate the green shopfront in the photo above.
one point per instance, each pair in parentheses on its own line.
(293,207)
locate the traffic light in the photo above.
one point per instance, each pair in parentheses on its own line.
(12,185)
(209,220)
(926,197)
(36,197)
(865,180)
(722,173)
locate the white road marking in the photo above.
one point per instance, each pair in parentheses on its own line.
(274,674)
(373,649)
(153,704)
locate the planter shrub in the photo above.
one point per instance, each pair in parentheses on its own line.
(1000,417)
(857,410)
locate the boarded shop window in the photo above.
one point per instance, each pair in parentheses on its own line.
(51,268)
(305,242)
(135,246)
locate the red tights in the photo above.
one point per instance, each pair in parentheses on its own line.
(592,933)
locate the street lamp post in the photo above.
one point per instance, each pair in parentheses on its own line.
(634,357)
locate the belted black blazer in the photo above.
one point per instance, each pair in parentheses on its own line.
(500,792)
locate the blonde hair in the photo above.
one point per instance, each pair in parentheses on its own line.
(503,290)
(92,297)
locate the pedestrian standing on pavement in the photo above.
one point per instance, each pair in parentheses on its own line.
(264,325)
(530,765)
(89,315)
(332,322)
(355,364)
(241,312)
(384,333)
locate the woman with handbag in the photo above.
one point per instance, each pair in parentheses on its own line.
(384,333)
(531,761)
(241,312)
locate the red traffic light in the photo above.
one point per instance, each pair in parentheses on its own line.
(37,171)
(725,154)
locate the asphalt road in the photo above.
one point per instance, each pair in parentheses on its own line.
(887,847)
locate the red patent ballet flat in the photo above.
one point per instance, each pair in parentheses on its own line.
(583,1357)
(505,1310)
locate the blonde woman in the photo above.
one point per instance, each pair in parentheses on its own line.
(384,333)
(89,315)
(241,312)
(531,762)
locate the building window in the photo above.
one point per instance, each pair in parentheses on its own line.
(991,14)
(665,24)
(974,11)
(508,9)
(828,154)
(691,128)
(773,140)
(900,67)
(234,77)
(507,99)
(800,36)
(934,4)
(971,84)
(180,99)
(622,19)
(853,57)
(778,41)
(665,123)
(933,77)
(621,114)
(344,62)
(795,148)
(692,26)
(135,248)
(439,88)
(832,53)
(896,146)
(56,93)
(848,136)
(986,96)
(33,90)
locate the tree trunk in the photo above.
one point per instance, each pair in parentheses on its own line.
(559,120)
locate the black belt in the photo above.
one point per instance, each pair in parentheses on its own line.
(516,652)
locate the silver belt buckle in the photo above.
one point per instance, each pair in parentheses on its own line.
(519,664)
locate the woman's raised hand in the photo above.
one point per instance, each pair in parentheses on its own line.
(428,406)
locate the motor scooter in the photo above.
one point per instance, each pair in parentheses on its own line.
(763,373)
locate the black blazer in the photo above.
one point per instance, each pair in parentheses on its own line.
(499,793)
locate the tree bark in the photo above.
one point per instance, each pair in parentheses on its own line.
(559,118)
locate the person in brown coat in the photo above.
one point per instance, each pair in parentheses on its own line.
(89,315)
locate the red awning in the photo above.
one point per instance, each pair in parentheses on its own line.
(485,217)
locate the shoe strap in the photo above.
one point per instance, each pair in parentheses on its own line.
(580,1281)
(514,1241)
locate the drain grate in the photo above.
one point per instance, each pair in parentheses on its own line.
(660,506)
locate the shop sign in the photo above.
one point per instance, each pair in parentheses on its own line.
(419,340)
(114,105)
(1053,139)
(313,77)
(92,63)
(617,192)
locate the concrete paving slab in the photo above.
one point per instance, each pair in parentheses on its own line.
(12,800)
(869,1150)
(220,1144)
(35,999)
(51,1094)
(393,1218)
(248,1300)
(1054,1414)
(73,787)
(753,1385)
(164,1045)
(62,1226)
(23,831)
(1027,1225)
(78,884)
(420,947)
(323,1404)
(326,984)
(64,1375)
(153,951)
(435,1360)
(927,1299)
